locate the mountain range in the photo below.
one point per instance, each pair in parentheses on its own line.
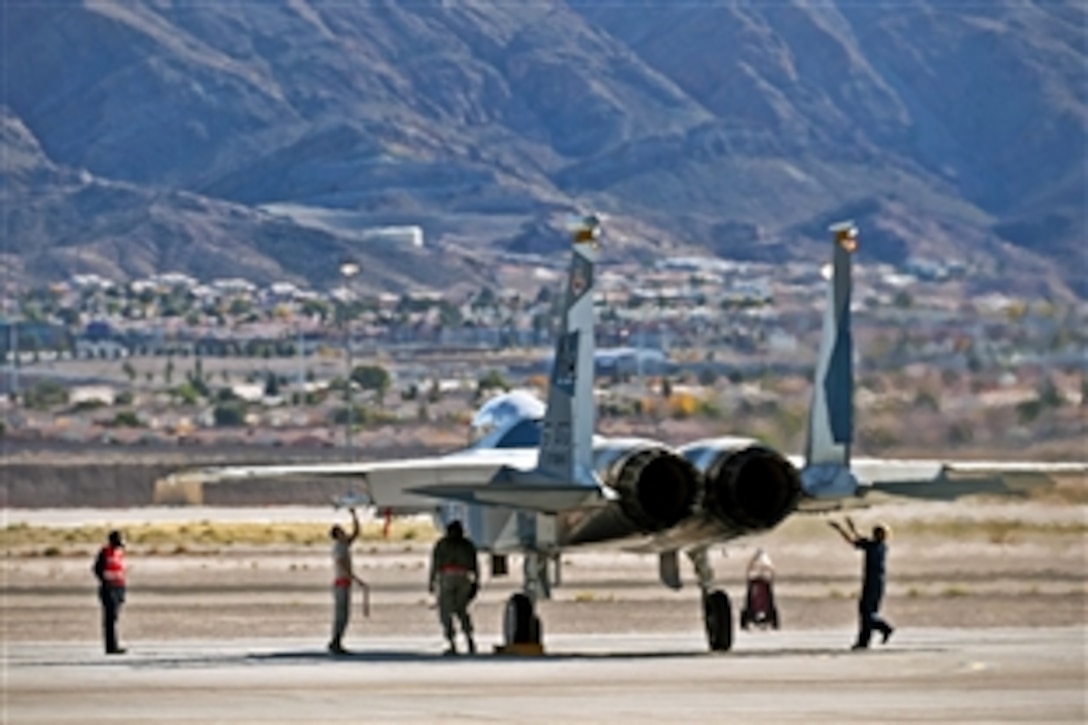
(265,139)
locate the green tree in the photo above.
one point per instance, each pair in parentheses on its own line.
(316,308)
(129,371)
(360,415)
(186,393)
(449,314)
(1027,411)
(1049,394)
(485,299)
(372,377)
(230,414)
(272,385)
(126,419)
(492,380)
(960,433)
(239,306)
(46,394)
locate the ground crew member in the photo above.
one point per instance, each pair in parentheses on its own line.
(872,587)
(109,568)
(343,577)
(455,577)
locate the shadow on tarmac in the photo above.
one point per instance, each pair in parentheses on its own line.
(137,660)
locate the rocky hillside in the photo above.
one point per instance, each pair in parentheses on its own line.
(262,139)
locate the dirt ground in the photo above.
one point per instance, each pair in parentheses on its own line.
(974,564)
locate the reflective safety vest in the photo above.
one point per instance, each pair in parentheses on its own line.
(114,571)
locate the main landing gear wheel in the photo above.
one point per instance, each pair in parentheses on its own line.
(718,616)
(520,625)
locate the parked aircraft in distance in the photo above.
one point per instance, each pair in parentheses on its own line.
(537,481)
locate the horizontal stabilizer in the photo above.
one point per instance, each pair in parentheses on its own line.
(548,499)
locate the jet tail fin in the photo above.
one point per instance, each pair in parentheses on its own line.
(831,414)
(566,442)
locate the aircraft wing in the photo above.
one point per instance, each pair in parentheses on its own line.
(950,480)
(947,480)
(398,485)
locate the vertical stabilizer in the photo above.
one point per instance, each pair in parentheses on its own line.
(831,415)
(566,442)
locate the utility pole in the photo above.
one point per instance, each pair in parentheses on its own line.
(348,270)
(301,361)
(13,351)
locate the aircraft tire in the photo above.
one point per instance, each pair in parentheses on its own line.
(518,620)
(718,617)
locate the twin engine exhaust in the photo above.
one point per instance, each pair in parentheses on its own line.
(743,487)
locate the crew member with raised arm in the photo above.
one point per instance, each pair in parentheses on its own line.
(344,577)
(872,588)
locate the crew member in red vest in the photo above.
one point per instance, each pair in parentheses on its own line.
(109,567)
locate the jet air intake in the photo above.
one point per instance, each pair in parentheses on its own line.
(746,487)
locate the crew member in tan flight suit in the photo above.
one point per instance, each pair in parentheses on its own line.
(455,576)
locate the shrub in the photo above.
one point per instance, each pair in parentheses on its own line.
(230,414)
(960,432)
(126,419)
(492,380)
(46,394)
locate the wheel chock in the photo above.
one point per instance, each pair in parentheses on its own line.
(521,649)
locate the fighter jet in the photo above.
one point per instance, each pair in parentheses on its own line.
(538,481)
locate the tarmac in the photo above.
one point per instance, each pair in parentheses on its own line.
(930,675)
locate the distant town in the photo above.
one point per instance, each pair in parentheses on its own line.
(686,347)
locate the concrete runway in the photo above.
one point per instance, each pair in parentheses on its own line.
(935,675)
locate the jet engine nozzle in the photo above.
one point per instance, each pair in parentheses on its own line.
(657,488)
(748,488)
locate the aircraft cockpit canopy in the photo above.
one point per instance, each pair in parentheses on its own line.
(510,420)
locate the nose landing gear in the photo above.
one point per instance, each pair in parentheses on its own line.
(521,628)
(520,625)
